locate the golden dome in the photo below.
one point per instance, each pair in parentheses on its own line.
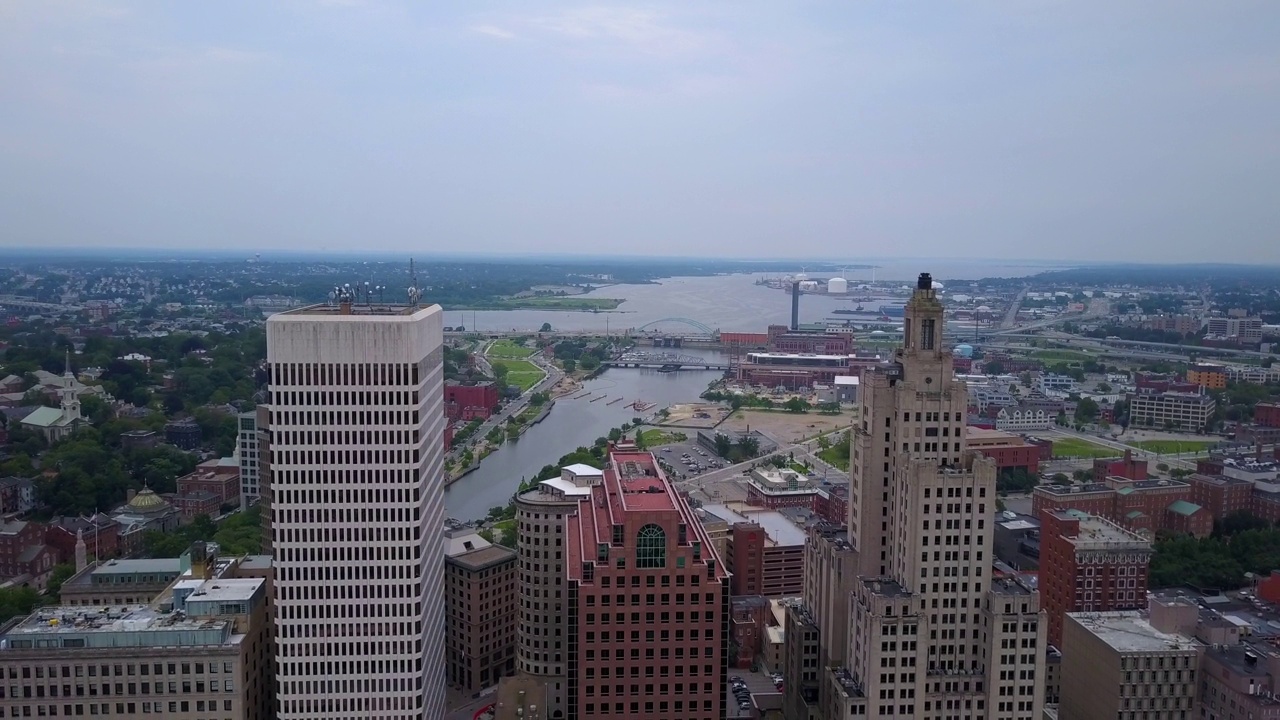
(147,501)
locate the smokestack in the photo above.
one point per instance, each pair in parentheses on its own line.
(795,304)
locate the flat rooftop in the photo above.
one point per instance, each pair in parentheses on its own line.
(484,557)
(1130,631)
(227,590)
(1100,534)
(81,626)
(353,310)
(780,529)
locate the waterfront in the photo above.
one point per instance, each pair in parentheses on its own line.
(731,303)
(571,424)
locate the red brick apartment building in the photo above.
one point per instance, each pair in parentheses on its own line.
(468,402)
(1127,467)
(1089,564)
(648,601)
(1008,450)
(215,477)
(1267,414)
(1138,505)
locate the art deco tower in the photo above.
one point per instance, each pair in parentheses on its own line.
(357,511)
(927,620)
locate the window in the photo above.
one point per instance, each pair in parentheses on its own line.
(651,547)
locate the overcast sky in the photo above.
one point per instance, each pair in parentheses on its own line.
(1031,129)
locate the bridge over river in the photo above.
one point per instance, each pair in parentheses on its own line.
(669,362)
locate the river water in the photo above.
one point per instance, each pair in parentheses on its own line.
(723,302)
(570,424)
(732,303)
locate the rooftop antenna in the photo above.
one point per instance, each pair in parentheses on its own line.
(415,294)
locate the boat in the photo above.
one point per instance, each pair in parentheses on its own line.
(615,400)
(641,405)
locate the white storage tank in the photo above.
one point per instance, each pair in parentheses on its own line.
(837,286)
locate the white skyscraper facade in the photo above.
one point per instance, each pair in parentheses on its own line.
(357,511)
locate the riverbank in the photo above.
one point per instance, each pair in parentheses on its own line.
(567,304)
(509,432)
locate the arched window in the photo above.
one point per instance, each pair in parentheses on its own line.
(651,547)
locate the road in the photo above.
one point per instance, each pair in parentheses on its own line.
(1011,316)
(803,451)
(513,407)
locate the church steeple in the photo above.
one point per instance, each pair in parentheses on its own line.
(70,401)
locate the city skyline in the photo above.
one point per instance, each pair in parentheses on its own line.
(1040,130)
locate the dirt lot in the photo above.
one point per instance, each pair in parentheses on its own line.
(683,415)
(787,428)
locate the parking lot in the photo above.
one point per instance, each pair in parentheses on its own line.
(672,454)
(756,683)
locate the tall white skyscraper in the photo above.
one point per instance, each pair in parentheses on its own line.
(357,511)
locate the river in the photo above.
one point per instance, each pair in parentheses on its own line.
(732,303)
(723,302)
(570,424)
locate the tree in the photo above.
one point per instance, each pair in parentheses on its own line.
(1104,387)
(570,365)
(546,327)
(749,445)
(995,367)
(61,573)
(796,405)
(724,445)
(1086,410)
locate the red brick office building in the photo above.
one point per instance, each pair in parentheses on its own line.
(1089,564)
(648,601)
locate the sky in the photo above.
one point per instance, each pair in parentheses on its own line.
(1080,130)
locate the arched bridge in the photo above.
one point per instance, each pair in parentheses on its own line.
(683,321)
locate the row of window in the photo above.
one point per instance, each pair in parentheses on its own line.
(94,689)
(126,709)
(117,670)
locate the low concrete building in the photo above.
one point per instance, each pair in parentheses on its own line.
(120,582)
(202,653)
(1118,665)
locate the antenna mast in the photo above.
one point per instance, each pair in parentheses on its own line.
(415,294)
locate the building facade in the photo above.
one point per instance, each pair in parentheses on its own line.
(247,454)
(480,587)
(1171,410)
(542,639)
(648,601)
(356,511)
(1118,665)
(1089,564)
(920,510)
(205,658)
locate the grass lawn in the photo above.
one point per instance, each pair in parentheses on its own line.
(656,436)
(1077,447)
(508,349)
(1068,356)
(561,303)
(521,373)
(836,456)
(1167,447)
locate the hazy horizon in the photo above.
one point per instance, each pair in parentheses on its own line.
(1040,131)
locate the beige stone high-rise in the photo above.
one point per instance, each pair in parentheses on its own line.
(930,635)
